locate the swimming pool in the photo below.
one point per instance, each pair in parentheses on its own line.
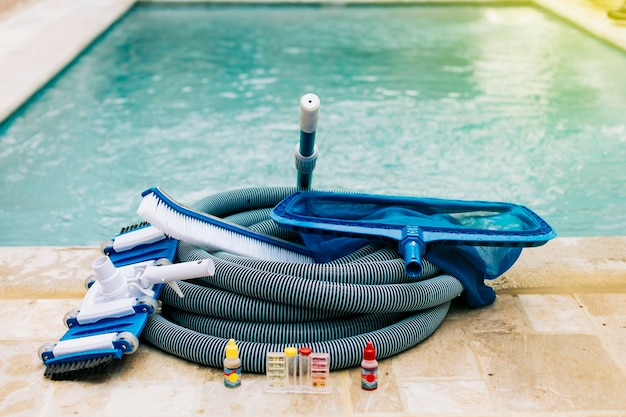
(457,102)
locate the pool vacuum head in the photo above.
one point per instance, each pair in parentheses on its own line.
(121,296)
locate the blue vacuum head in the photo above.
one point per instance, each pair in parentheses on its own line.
(90,349)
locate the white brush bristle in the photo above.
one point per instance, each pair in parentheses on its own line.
(209,236)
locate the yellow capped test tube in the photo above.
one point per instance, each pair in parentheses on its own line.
(292,366)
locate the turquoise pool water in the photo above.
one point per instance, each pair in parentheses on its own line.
(467,102)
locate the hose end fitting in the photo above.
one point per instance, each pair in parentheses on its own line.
(412,248)
(114,285)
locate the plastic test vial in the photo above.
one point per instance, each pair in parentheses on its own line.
(292,367)
(305,368)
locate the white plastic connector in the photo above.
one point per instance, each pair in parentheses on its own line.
(142,236)
(115,292)
(174,272)
(309,112)
(305,164)
(112,282)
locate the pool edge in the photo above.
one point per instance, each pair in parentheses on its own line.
(579,265)
(46,41)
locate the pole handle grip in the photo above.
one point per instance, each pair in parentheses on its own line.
(309,112)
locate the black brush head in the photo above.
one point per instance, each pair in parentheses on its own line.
(132,227)
(79,369)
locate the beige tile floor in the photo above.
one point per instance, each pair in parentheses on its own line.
(553,344)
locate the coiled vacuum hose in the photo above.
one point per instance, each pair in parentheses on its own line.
(334,307)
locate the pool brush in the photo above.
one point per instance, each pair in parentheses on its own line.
(213,233)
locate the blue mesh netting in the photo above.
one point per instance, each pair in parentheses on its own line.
(333,225)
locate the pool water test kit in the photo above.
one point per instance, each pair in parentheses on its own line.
(298,370)
(288,281)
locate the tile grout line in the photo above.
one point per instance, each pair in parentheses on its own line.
(346,391)
(46,405)
(607,345)
(482,372)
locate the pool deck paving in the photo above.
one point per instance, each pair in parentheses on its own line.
(553,343)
